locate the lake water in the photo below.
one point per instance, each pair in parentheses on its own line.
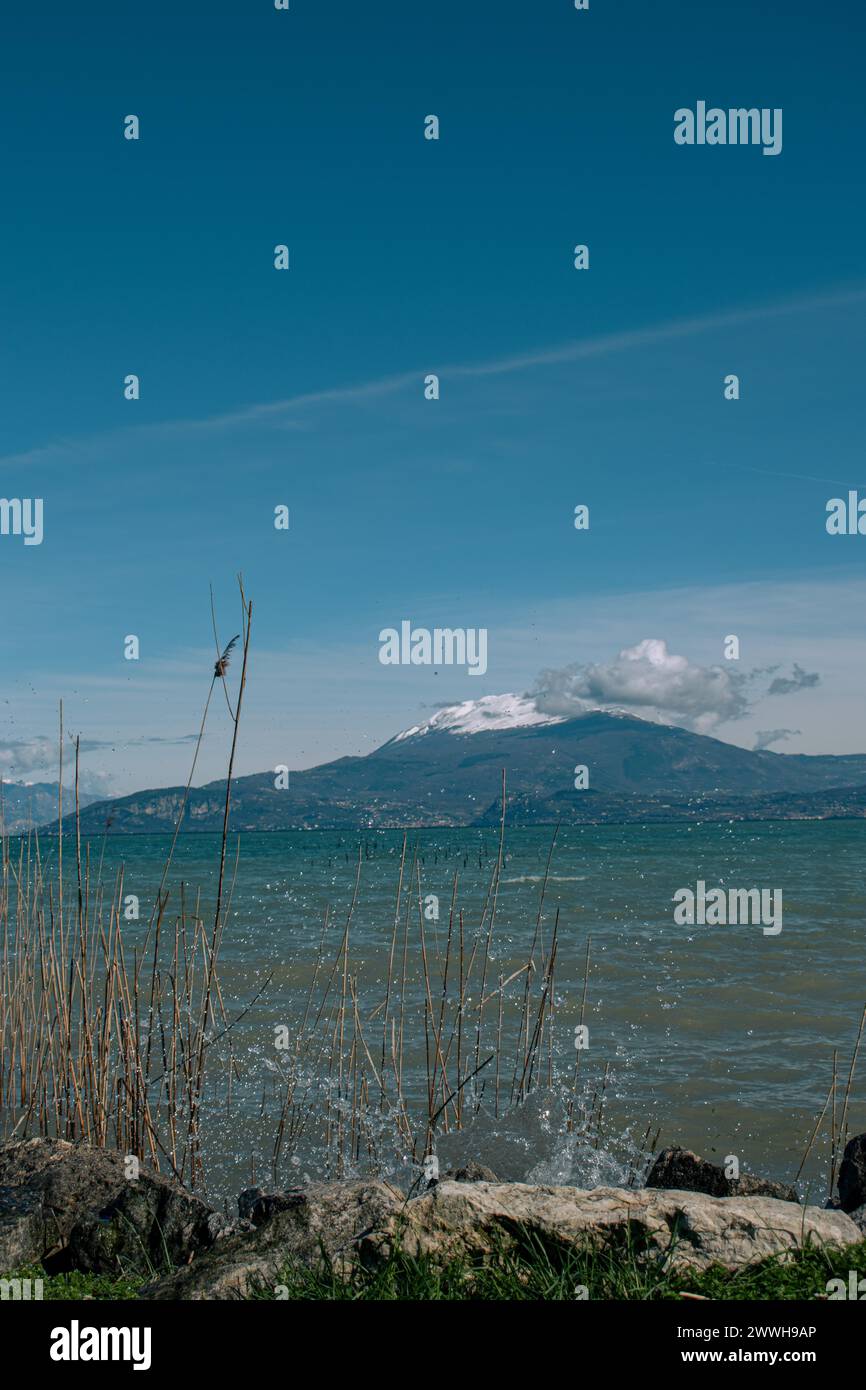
(721,1037)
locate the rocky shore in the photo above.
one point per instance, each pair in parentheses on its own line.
(72,1207)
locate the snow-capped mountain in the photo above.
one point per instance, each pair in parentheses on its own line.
(491,712)
(448,769)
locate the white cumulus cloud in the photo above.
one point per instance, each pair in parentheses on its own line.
(647,679)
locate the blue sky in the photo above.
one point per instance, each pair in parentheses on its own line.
(407,257)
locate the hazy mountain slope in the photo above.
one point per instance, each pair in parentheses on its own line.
(28,805)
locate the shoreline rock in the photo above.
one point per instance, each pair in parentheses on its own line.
(852,1174)
(324,1224)
(684,1171)
(70,1206)
(690,1230)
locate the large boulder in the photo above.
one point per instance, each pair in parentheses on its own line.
(852,1174)
(73,1206)
(60,1182)
(354,1224)
(151,1224)
(683,1171)
(688,1230)
(319,1226)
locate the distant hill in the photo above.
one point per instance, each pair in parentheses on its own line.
(26,805)
(448,771)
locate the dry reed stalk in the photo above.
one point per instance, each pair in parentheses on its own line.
(523,1039)
(75,1051)
(818,1123)
(601,1099)
(497,872)
(391,959)
(576,1073)
(833,1132)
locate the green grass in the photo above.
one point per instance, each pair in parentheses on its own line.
(532,1272)
(528,1272)
(74,1286)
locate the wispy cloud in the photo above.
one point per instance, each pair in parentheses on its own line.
(765,737)
(21,757)
(18,757)
(798,680)
(575,350)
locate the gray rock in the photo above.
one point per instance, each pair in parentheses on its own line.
(686,1230)
(152,1224)
(347,1225)
(247,1201)
(683,1171)
(64,1180)
(322,1225)
(858,1216)
(852,1174)
(21,1229)
(73,1205)
(748,1185)
(257,1206)
(470,1172)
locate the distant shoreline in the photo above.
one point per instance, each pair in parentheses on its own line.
(354,829)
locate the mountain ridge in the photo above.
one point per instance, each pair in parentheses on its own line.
(438,774)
